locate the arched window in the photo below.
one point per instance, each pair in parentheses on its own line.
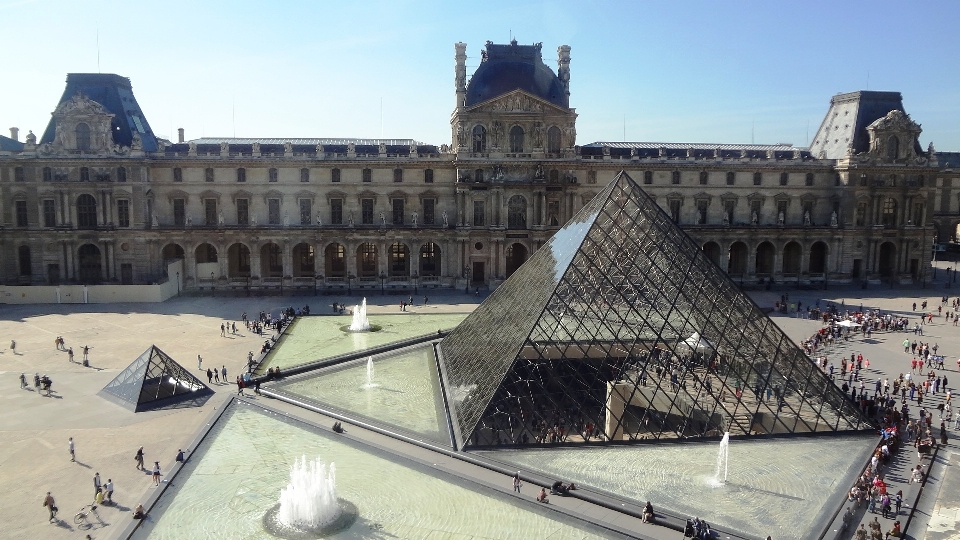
(399,260)
(479,139)
(889,217)
(516,139)
(430,260)
(335,257)
(553,140)
(86,212)
(893,147)
(83,137)
(517,212)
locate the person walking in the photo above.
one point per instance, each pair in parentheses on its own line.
(216,375)
(51,506)
(239,386)
(156,473)
(108,490)
(223,330)
(199,362)
(209,376)
(70,354)
(96,484)
(70,447)
(23,380)
(223,374)
(139,459)
(13,346)
(516,482)
(86,354)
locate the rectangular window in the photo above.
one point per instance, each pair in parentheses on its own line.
(675,210)
(647,177)
(273,211)
(704,177)
(398,175)
(123,213)
(731,178)
(397,211)
(336,211)
(126,273)
(429,211)
(177,174)
(208,174)
(85,174)
(428,176)
(334,175)
(47,174)
(675,177)
(210,211)
(757,179)
(478,213)
(553,213)
(367,175)
(241,175)
(21,207)
(784,178)
(366,211)
(918,214)
(243,211)
(808,180)
(304,175)
(18,175)
(306,211)
(121,174)
(755,212)
(702,212)
(179,212)
(781,211)
(49,213)
(274,175)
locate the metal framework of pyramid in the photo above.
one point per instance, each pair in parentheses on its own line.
(621,329)
(153,380)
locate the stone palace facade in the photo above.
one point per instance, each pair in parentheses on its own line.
(100,199)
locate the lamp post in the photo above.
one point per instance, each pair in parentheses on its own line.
(467,274)
(178,283)
(383,279)
(414,277)
(213,286)
(349,281)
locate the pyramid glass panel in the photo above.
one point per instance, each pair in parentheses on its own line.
(153,380)
(620,329)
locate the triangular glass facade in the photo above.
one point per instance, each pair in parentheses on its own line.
(153,380)
(620,329)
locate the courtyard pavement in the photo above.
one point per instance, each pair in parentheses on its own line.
(35,429)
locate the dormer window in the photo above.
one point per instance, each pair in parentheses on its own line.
(893,147)
(83,137)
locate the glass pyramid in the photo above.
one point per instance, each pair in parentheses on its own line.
(621,329)
(153,380)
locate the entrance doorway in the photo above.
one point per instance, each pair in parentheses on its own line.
(516,255)
(887,263)
(478,273)
(88,264)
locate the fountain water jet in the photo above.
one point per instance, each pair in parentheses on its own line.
(370,370)
(723,456)
(360,322)
(309,507)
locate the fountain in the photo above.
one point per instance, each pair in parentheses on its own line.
(723,456)
(370,383)
(309,507)
(360,322)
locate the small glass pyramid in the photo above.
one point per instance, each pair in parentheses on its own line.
(621,329)
(153,380)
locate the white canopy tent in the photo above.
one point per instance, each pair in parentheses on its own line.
(848,324)
(698,343)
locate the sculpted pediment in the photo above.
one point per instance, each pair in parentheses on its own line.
(516,101)
(895,121)
(81,105)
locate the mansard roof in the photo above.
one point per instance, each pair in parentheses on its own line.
(115,94)
(10,145)
(505,68)
(845,125)
(300,140)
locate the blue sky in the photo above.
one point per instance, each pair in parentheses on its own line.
(711,71)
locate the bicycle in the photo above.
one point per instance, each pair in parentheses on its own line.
(80,518)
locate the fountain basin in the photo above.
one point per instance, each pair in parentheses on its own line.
(272,524)
(371,328)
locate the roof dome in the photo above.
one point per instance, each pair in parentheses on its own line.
(505,68)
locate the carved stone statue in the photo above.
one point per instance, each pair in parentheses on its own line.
(413,149)
(320,150)
(806,217)
(754,218)
(726,218)
(192,148)
(224,148)
(288,147)
(286,219)
(32,139)
(383,220)
(189,221)
(350,218)
(538,172)
(780,217)
(461,136)
(256,147)
(699,219)
(538,135)
(497,133)
(253,220)
(351,148)
(444,148)
(414,217)
(319,220)
(137,142)
(382,148)
(444,217)
(833,218)
(155,221)
(571,133)
(220,218)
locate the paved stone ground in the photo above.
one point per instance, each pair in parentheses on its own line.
(33,446)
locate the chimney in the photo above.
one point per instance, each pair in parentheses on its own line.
(180,135)
(15,134)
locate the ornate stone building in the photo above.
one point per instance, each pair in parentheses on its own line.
(100,199)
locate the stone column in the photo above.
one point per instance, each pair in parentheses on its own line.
(255,261)
(319,259)
(287,258)
(724,262)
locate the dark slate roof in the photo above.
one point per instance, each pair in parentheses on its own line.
(948,160)
(116,95)
(695,146)
(845,125)
(309,141)
(506,68)
(9,145)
